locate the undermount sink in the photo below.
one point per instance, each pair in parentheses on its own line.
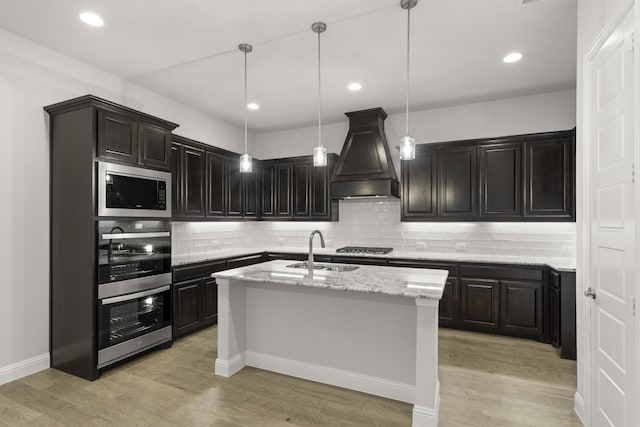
(327,267)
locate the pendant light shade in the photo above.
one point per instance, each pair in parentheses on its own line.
(319,152)
(408,144)
(246,162)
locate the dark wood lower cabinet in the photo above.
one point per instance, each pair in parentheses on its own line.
(209,301)
(449,309)
(480,302)
(521,307)
(186,307)
(517,300)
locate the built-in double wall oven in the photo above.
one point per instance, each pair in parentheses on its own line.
(134,261)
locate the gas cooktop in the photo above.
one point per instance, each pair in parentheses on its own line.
(363,250)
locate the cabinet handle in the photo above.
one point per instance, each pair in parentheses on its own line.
(590,293)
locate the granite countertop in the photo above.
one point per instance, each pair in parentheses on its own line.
(395,281)
(557,263)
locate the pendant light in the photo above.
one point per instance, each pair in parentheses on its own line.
(246,163)
(408,144)
(319,152)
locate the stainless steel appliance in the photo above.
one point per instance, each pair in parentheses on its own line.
(134,287)
(369,250)
(127,191)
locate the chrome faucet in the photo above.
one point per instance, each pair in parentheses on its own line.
(310,261)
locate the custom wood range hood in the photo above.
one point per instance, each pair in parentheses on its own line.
(365,168)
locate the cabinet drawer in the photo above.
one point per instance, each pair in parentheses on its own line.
(359,260)
(453,271)
(502,272)
(244,261)
(197,271)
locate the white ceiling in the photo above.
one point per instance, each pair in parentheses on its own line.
(187,50)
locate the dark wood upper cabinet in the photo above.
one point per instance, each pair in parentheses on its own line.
(302,189)
(322,206)
(175,166)
(234,187)
(193,182)
(515,178)
(216,185)
(501,180)
(292,188)
(268,190)
(117,137)
(420,185)
(284,195)
(154,145)
(458,182)
(549,178)
(251,192)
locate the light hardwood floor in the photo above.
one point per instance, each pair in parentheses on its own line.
(485,381)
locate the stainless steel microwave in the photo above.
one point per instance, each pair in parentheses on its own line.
(129,191)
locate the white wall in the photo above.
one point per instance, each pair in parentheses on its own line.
(512,116)
(592,17)
(31,77)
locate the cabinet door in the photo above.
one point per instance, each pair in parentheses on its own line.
(209,301)
(268,186)
(234,187)
(154,145)
(284,193)
(302,189)
(186,307)
(193,173)
(549,178)
(117,137)
(554,316)
(449,307)
(175,165)
(320,198)
(480,301)
(216,185)
(501,181)
(521,307)
(420,185)
(250,194)
(458,183)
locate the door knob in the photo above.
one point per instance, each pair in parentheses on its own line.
(590,293)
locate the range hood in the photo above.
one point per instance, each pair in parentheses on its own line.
(365,168)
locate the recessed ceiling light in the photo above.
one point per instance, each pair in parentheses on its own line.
(512,57)
(253,106)
(92,19)
(355,86)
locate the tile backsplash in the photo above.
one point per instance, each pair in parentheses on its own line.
(377,223)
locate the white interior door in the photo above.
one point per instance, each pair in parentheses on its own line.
(612,255)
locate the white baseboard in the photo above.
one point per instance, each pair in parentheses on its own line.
(578,407)
(24,368)
(337,377)
(226,368)
(424,416)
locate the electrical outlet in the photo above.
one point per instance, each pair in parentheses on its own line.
(328,243)
(281,241)
(461,246)
(421,245)
(139,226)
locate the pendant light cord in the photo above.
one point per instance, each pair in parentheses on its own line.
(319,97)
(246,151)
(408,50)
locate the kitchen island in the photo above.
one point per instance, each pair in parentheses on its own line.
(371,329)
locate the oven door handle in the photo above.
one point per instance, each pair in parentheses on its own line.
(137,295)
(124,236)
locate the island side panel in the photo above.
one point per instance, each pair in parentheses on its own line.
(427,397)
(232,329)
(360,341)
